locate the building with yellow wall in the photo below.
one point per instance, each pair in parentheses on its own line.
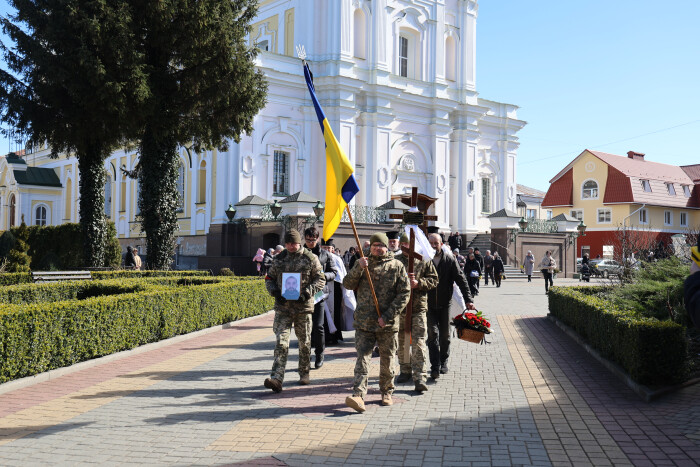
(608,191)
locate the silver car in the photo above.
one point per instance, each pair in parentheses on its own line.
(605,267)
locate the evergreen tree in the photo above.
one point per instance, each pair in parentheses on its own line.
(74,75)
(18,260)
(203,90)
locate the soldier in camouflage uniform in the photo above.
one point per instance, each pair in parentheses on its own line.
(392,288)
(294,258)
(424,278)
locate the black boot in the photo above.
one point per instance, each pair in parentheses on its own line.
(319,361)
(403,378)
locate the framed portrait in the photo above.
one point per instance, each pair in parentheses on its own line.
(291,285)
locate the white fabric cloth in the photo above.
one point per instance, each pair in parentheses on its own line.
(349,302)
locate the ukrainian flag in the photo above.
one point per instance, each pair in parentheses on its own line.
(341,186)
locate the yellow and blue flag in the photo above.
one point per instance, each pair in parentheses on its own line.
(341,186)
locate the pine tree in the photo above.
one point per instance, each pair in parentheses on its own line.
(17,259)
(74,75)
(203,90)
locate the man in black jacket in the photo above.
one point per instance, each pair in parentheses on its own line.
(318,333)
(692,287)
(439,299)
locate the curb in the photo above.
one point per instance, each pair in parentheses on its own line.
(645,392)
(58,372)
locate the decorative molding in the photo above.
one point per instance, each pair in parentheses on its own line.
(383,177)
(248,166)
(441,183)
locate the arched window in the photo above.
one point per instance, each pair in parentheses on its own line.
(360,34)
(68,211)
(202,183)
(12,203)
(40,215)
(181,187)
(122,194)
(108,196)
(450,59)
(590,190)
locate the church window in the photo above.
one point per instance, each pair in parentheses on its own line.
(485,195)
(450,59)
(68,212)
(280,174)
(180,185)
(40,215)
(108,196)
(13,205)
(403,56)
(590,190)
(646,186)
(202,183)
(122,194)
(360,34)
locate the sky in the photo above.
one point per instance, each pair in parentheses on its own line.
(608,75)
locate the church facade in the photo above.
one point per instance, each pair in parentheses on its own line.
(397,81)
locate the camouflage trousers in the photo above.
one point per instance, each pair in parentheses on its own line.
(282,327)
(418,364)
(364,344)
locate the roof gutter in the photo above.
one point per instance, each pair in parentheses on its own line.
(633,213)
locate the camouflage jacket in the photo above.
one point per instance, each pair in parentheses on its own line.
(427,278)
(391,286)
(312,279)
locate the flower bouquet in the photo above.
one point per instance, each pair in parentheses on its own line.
(471,327)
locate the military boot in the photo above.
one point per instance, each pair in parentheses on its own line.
(274,384)
(355,402)
(421,387)
(403,378)
(386,399)
(304,380)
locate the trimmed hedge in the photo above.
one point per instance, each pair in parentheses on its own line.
(650,351)
(38,337)
(12,278)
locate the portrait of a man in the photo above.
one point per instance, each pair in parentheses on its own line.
(291,282)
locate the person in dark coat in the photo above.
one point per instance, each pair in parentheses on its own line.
(455,241)
(472,269)
(498,269)
(129,261)
(267,261)
(692,287)
(480,259)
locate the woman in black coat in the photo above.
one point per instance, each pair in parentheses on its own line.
(497,269)
(472,269)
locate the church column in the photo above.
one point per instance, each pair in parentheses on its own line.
(218,183)
(466,19)
(508,188)
(380,37)
(347,10)
(438,27)
(440,149)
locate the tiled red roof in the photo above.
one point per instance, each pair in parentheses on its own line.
(644,169)
(561,191)
(693,171)
(618,188)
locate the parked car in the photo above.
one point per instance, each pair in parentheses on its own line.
(605,267)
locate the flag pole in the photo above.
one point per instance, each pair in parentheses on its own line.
(362,255)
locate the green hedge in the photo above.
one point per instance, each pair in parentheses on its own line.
(12,278)
(42,336)
(128,273)
(650,351)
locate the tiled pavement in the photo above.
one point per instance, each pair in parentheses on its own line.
(530,397)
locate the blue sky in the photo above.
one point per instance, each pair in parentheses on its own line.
(610,75)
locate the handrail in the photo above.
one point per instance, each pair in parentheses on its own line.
(508,250)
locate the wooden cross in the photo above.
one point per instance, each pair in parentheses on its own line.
(419,219)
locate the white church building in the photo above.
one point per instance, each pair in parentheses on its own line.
(397,81)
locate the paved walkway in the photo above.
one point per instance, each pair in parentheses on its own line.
(531,397)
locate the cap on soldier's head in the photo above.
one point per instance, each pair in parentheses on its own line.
(292,236)
(392,235)
(379,237)
(433,229)
(404,238)
(328,242)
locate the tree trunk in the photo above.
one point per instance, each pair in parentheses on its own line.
(92,205)
(158,198)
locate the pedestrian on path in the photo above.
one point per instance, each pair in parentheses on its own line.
(472,269)
(393,290)
(547,267)
(529,265)
(439,300)
(488,268)
(498,269)
(423,279)
(294,259)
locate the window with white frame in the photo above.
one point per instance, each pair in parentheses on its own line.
(643,216)
(684,219)
(486,195)
(604,216)
(403,56)
(668,218)
(671,189)
(40,215)
(608,251)
(549,214)
(280,174)
(686,191)
(646,186)
(531,213)
(577,213)
(590,190)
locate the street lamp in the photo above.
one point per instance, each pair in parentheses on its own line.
(580,232)
(230,213)
(318,209)
(522,223)
(275,209)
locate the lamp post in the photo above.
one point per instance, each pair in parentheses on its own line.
(318,209)
(230,213)
(275,209)
(522,223)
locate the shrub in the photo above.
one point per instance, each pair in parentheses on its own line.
(7,242)
(18,259)
(651,351)
(42,336)
(226,272)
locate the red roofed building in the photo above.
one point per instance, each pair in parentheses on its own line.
(608,191)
